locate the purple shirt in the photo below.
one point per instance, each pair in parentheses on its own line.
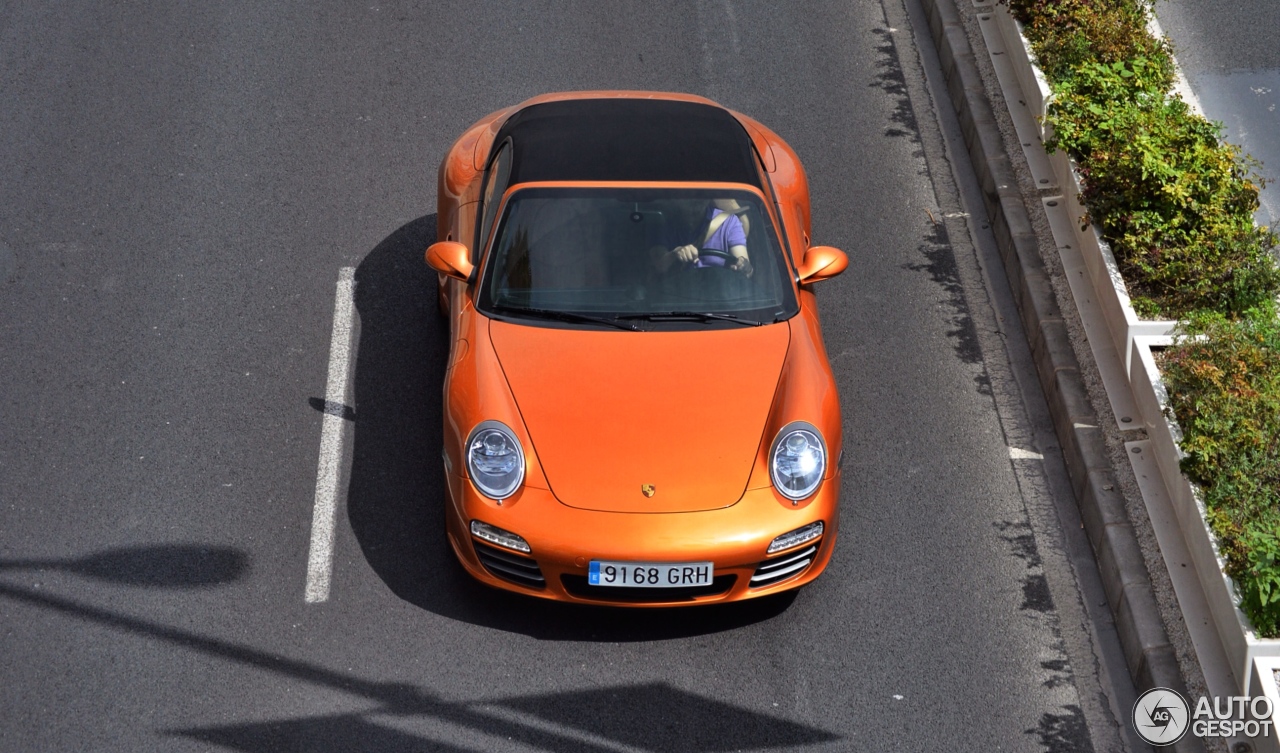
(728,235)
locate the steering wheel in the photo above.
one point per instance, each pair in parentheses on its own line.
(728,257)
(724,261)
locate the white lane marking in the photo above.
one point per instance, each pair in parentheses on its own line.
(320,559)
(1016,453)
(1181,86)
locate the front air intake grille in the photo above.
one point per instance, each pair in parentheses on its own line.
(784,567)
(510,566)
(578,586)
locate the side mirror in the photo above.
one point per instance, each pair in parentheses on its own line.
(821,263)
(450,258)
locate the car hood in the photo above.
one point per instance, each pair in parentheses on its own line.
(609,412)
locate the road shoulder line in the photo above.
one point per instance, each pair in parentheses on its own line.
(329,467)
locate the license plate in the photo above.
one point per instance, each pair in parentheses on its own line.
(650,574)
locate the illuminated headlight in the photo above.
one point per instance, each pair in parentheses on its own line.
(495,460)
(495,535)
(797,461)
(792,538)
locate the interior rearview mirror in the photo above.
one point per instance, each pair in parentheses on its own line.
(450,258)
(821,263)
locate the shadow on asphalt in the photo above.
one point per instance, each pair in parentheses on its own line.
(158,566)
(649,716)
(395,500)
(935,246)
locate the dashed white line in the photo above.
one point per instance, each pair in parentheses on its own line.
(328,470)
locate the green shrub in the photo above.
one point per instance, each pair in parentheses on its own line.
(1065,34)
(1225,394)
(1176,204)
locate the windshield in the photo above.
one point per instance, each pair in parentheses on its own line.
(672,257)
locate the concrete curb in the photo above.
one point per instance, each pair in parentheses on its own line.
(1148,652)
(1226,638)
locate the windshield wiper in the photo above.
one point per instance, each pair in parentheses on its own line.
(700,316)
(565,316)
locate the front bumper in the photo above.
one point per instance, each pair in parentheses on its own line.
(564,540)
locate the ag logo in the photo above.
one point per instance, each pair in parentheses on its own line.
(1160,716)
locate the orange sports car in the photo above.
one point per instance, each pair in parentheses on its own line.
(638,405)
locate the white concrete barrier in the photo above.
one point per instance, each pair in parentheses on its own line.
(1132,339)
(1238,640)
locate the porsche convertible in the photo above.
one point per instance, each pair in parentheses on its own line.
(638,406)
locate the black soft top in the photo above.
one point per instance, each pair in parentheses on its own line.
(628,140)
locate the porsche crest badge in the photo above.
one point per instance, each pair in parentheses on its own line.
(648,490)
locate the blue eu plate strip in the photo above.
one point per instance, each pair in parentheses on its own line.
(593,575)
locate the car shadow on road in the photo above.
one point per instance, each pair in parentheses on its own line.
(395,499)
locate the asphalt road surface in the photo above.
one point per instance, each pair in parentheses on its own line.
(1229,55)
(180,188)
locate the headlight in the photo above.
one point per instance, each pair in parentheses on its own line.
(797,461)
(495,460)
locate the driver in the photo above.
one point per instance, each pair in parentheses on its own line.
(725,231)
